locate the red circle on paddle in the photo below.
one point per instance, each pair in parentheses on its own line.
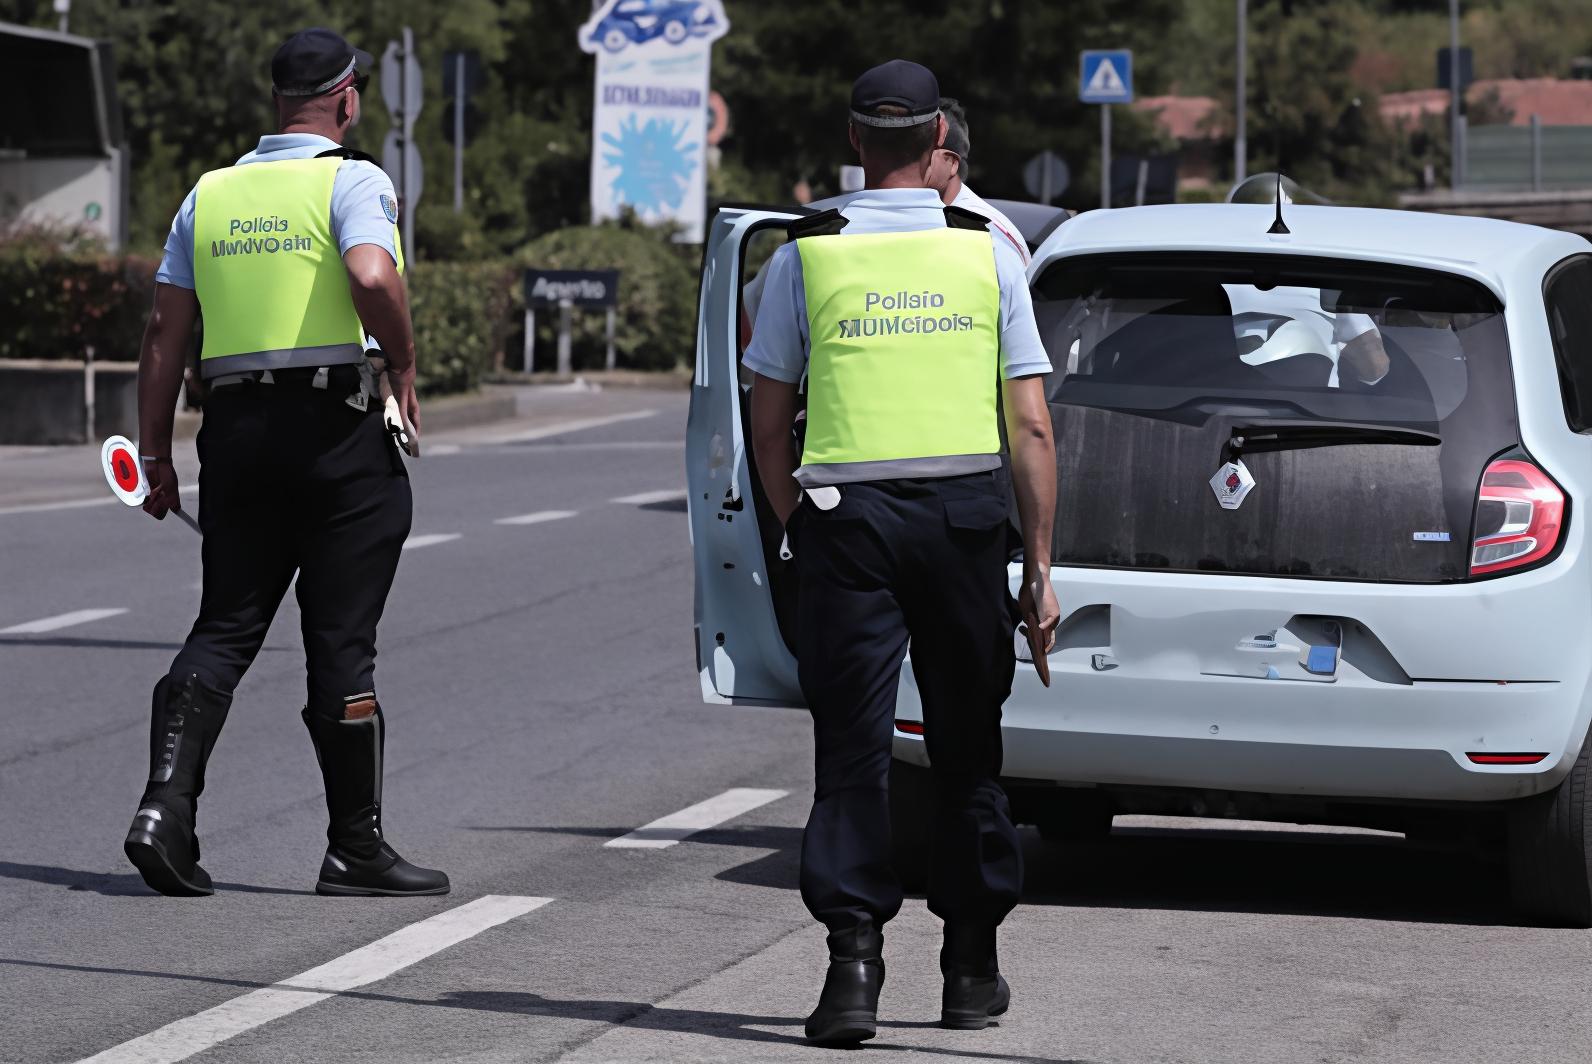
(124,467)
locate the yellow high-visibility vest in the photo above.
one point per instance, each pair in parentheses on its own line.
(267,269)
(904,363)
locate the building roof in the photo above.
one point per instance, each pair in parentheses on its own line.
(1557,101)
(1183,117)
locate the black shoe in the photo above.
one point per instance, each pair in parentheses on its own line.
(166,854)
(358,859)
(848,1008)
(386,874)
(974,989)
(969,1001)
(185,719)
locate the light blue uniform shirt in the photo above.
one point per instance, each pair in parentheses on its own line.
(358,214)
(780,343)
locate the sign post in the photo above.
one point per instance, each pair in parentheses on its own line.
(401,91)
(461,76)
(1105,78)
(566,290)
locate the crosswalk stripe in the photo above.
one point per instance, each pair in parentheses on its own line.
(647,497)
(415,542)
(537,518)
(666,831)
(59,621)
(183,1038)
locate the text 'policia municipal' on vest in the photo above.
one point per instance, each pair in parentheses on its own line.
(267,269)
(904,368)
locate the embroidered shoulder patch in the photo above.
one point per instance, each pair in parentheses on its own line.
(390,208)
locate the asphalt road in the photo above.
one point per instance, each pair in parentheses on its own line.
(543,704)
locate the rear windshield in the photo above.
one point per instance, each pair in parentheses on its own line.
(1162,359)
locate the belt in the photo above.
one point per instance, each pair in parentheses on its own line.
(335,378)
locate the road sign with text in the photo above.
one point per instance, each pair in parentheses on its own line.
(1106,77)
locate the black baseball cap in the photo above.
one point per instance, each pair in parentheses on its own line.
(898,83)
(312,61)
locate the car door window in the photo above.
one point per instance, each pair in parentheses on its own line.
(1568,294)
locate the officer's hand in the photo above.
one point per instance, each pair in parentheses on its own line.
(163,495)
(1037,603)
(403,390)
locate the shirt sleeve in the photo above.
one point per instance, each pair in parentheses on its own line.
(176,265)
(779,344)
(364,207)
(1022,352)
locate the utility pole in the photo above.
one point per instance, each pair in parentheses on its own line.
(1456,138)
(64,9)
(1241,105)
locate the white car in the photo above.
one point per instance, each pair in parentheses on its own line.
(1317,545)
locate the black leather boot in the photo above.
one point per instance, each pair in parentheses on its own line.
(358,859)
(185,719)
(848,1008)
(974,990)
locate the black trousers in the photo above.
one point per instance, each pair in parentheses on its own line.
(293,480)
(925,560)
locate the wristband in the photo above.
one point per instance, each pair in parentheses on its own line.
(155,458)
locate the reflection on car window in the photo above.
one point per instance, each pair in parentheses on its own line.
(1397,340)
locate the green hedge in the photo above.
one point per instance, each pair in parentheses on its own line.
(656,320)
(461,316)
(57,299)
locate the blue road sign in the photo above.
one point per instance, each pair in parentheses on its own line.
(1106,77)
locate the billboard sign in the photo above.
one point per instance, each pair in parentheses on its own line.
(649,121)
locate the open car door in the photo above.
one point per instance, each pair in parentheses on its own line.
(745,592)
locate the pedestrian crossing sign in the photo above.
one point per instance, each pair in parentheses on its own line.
(1106,77)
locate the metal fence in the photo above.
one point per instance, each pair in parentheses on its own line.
(1528,157)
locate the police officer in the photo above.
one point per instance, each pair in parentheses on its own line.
(913,327)
(291,255)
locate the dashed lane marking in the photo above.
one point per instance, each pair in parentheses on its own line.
(537,518)
(183,1038)
(648,497)
(579,425)
(416,542)
(75,504)
(669,830)
(59,621)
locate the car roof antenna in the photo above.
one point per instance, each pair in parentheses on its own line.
(1279,226)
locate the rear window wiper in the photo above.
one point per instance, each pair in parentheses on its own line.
(1297,435)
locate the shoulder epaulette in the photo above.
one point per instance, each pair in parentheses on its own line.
(346,153)
(962,218)
(826,223)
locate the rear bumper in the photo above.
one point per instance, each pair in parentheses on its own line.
(1162,707)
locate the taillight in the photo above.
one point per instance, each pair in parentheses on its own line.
(1519,517)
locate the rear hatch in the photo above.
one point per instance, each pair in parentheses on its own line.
(1274,415)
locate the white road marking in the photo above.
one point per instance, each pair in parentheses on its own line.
(647,497)
(442,450)
(536,518)
(414,542)
(368,964)
(669,830)
(579,425)
(63,620)
(76,504)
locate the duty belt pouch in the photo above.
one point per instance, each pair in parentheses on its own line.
(360,400)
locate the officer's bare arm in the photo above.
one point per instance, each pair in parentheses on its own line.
(382,304)
(1033,449)
(774,405)
(160,364)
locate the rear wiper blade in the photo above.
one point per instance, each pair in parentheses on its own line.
(1297,435)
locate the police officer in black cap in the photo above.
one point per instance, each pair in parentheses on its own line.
(292,256)
(913,327)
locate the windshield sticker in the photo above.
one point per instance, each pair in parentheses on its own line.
(1432,537)
(1232,484)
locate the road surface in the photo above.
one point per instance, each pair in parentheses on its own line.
(544,712)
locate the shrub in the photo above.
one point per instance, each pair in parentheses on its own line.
(460,313)
(656,316)
(59,296)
